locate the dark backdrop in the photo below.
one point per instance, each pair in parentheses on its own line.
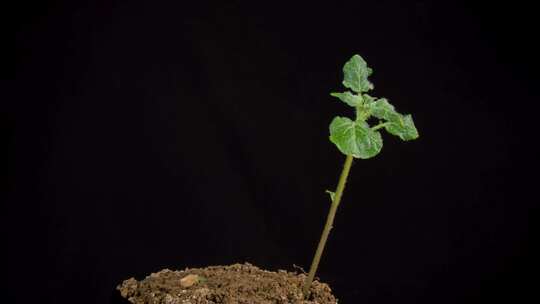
(144,136)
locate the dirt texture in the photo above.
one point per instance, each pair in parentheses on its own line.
(234,284)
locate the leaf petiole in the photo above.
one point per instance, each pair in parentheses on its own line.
(380,126)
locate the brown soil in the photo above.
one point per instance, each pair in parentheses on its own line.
(234,284)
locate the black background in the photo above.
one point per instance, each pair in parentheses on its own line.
(146,135)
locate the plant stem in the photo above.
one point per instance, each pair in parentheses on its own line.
(329,222)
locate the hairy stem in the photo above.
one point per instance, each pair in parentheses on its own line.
(329,222)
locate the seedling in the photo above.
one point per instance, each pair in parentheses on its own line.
(356,138)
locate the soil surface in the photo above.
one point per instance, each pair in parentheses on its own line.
(234,284)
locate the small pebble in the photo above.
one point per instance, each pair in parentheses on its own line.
(189,280)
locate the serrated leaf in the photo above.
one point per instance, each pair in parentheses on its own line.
(355,74)
(382,109)
(355,138)
(332,194)
(403,127)
(352,100)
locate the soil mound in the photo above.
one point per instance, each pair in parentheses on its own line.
(234,284)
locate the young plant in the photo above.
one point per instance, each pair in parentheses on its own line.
(356,138)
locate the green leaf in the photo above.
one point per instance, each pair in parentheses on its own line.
(403,127)
(347,97)
(356,73)
(368,100)
(355,138)
(332,194)
(382,109)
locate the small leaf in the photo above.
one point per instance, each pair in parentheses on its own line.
(356,73)
(347,97)
(368,99)
(355,138)
(403,127)
(382,109)
(332,194)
